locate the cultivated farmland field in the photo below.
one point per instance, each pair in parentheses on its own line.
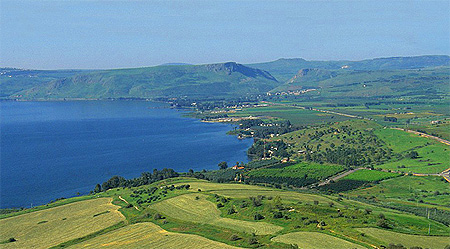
(369,175)
(406,239)
(189,208)
(299,170)
(149,235)
(312,240)
(246,191)
(295,115)
(50,227)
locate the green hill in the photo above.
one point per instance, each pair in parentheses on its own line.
(220,80)
(353,83)
(13,80)
(285,69)
(377,77)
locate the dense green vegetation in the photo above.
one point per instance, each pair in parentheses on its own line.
(297,175)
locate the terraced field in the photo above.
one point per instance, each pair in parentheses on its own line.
(406,239)
(149,235)
(312,240)
(50,227)
(189,208)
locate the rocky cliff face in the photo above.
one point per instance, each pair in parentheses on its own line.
(231,67)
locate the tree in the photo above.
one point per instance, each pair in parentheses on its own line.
(97,188)
(413,154)
(191,171)
(223,165)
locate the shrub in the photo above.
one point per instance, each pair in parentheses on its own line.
(383,223)
(277,215)
(234,237)
(11,239)
(253,241)
(219,205)
(158,216)
(231,211)
(258,217)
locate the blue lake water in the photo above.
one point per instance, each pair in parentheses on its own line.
(56,149)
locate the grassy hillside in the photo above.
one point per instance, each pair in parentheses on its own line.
(223,79)
(213,215)
(50,227)
(351,83)
(14,80)
(149,235)
(285,69)
(311,240)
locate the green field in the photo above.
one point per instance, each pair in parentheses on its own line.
(434,157)
(439,130)
(400,141)
(246,191)
(299,170)
(149,235)
(295,115)
(193,219)
(388,237)
(430,189)
(369,175)
(202,211)
(311,240)
(50,227)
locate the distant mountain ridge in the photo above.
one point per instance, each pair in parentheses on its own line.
(221,79)
(229,79)
(284,69)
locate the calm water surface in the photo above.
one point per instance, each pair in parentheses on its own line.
(56,149)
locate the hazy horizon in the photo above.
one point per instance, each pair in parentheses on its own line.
(54,34)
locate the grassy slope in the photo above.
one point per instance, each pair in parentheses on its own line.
(188,213)
(149,235)
(16,80)
(188,208)
(311,240)
(433,156)
(284,69)
(369,175)
(159,81)
(403,188)
(406,239)
(294,115)
(46,228)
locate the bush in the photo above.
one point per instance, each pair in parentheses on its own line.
(231,211)
(234,237)
(219,205)
(253,241)
(277,215)
(258,217)
(158,216)
(383,223)
(11,239)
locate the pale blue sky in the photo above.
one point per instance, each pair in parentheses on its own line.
(56,34)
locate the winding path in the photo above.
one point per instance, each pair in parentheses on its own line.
(120,197)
